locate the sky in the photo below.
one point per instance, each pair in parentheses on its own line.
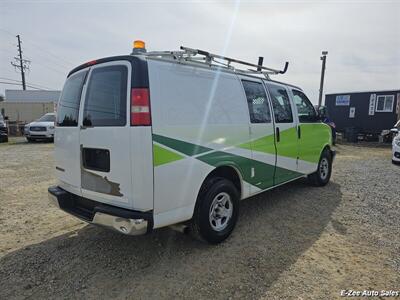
(362,37)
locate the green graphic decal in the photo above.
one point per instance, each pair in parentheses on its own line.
(263,175)
(180,146)
(282,175)
(264,144)
(287,145)
(314,136)
(163,156)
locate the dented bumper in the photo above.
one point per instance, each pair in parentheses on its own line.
(123,220)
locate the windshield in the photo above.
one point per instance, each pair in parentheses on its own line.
(47,118)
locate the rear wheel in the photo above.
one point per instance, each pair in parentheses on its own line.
(216,212)
(323,174)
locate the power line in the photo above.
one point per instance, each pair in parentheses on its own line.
(52,69)
(31,83)
(3,82)
(54,61)
(58,58)
(40,48)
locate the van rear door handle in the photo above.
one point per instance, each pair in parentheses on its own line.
(278,136)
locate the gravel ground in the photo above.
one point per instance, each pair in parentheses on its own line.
(296,241)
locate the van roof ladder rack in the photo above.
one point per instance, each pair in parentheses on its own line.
(201,56)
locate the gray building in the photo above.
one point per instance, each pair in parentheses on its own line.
(367,112)
(30,96)
(26,106)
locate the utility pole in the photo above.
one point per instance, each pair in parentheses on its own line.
(20,63)
(321,85)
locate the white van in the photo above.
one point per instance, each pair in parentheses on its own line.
(155,139)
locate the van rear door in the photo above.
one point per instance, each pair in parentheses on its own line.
(66,139)
(105,166)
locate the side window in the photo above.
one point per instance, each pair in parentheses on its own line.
(105,103)
(68,106)
(305,109)
(257,102)
(384,103)
(280,103)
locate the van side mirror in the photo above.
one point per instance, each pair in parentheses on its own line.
(6,118)
(319,116)
(322,112)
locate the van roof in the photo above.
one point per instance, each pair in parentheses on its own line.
(102,60)
(140,61)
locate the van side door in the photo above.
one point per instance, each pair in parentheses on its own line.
(312,134)
(285,133)
(262,143)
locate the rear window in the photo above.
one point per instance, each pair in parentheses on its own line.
(106,96)
(68,107)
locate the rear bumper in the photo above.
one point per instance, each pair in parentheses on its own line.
(123,220)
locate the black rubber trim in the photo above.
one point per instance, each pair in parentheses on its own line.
(140,76)
(85,209)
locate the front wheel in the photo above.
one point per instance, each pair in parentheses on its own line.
(216,212)
(323,174)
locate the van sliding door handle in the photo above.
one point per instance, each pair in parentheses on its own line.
(278,136)
(299,132)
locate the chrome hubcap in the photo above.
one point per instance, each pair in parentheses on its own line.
(324,168)
(220,211)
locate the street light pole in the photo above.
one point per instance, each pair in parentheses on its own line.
(321,85)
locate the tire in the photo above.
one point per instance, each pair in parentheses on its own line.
(30,140)
(395,162)
(323,174)
(216,212)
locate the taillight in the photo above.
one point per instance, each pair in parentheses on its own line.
(91,63)
(140,107)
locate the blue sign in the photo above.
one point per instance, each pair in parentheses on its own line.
(343,100)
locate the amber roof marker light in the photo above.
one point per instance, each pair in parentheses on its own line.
(139,47)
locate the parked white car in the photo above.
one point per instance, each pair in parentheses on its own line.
(396,144)
(41,129)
